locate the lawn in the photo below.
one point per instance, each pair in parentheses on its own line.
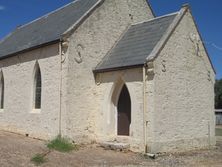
(218,132)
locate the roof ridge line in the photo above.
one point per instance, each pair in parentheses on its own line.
(8,35)
(26,24)
(47,14)
(159,46)
(159,17)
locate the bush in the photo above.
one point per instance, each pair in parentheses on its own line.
(61,144)
(38,159)
(218,94)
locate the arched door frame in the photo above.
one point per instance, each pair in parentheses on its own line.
(124,112)
(115,93)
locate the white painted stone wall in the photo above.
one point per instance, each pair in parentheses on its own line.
(92,40)
(110,85)
(18,114)
(183,116)
(81,97)
(180,106)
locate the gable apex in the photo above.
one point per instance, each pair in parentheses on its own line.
(185,8)
(168,34)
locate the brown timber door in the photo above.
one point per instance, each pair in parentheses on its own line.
(124,112)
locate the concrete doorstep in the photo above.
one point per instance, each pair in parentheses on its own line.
(114,145)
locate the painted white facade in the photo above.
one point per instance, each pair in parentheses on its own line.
(92,41)
(175,113)
(183,116)
(18,114)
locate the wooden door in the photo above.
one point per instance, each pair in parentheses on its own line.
(124,112)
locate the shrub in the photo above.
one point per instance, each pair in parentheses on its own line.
(38,159)
(218,94)
(61,144)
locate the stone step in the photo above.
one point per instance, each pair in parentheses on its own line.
(122,139)
(114,145)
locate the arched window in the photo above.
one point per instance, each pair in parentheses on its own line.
(2,86)
(37,87)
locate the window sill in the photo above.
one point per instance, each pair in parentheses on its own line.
(36,111)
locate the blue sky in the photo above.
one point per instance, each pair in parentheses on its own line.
(207,13)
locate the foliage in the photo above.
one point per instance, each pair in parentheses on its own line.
(218,94)
(61,144)
(38,159)
(218,132)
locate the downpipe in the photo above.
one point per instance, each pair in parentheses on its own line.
(146,153)
(60,93)
(144,110)
(63,47)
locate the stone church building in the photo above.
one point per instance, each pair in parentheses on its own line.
(109,70)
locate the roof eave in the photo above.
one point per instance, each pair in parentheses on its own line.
(30,49)
(95,71)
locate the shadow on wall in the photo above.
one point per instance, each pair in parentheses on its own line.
(113,76)
(36,54)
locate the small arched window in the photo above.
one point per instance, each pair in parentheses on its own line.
(2,89)
(37,87)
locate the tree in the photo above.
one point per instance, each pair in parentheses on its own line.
(218,94)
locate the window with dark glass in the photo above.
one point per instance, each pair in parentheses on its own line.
(2,92)
(38,89)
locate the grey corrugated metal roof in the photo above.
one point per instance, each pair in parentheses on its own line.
(136,44)
(45,29)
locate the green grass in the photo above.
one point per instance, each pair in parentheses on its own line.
(61,144)
(38,159)
(218,132)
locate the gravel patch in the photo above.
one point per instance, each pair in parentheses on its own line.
(17,150)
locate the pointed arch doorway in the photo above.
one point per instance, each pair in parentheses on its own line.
(124,112)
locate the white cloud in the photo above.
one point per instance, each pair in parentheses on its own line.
(2,7)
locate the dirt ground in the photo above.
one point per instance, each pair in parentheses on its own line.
(17,150)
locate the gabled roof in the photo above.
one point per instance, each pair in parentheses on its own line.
(46,29)
(136,44)
(143,42)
